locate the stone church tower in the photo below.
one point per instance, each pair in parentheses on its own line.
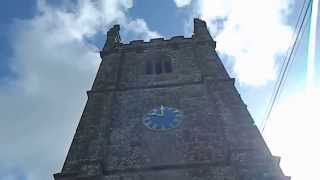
(166,110)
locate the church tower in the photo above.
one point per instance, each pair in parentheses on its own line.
(166,110)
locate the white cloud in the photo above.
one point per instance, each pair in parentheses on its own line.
(54,66)
(293,133)
(182,3)
(253,32)
(141,30)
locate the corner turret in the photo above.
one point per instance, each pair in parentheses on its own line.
(200,30)
(113,38)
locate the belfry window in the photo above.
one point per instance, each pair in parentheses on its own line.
(149,67)
(167,66)
(158,66)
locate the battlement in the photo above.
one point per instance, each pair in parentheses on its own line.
(135,42)
(155,42)
(159,40)
(138,45)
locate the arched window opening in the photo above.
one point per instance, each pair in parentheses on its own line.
(149,68)
(167,66)
(158,67)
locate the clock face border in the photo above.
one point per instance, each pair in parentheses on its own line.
(179,116)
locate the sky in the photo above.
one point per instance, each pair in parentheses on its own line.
(49,58)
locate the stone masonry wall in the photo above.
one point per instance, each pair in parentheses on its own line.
(217,138)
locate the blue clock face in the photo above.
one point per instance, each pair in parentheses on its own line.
(163,118)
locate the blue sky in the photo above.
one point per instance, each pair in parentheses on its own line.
(48,59)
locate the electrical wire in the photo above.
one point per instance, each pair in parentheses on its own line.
(286,63)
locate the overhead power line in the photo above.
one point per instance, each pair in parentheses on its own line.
(287,61)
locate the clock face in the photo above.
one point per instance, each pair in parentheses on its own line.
(163,118)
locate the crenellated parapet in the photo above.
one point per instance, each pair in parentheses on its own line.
(140,45)
(200,36)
